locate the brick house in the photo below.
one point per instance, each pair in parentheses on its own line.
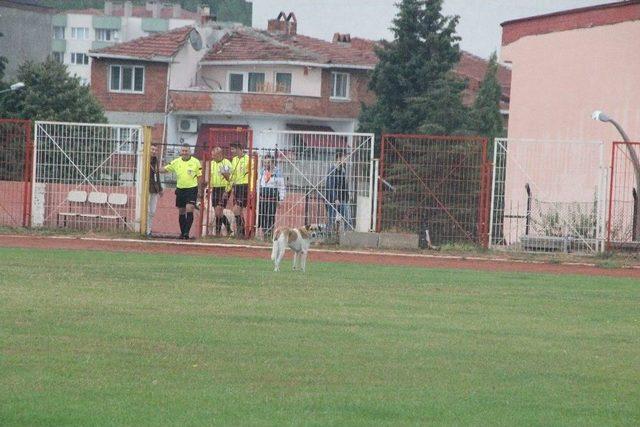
(196,77)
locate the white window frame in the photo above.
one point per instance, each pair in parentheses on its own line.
(53,56)
(74,33)
(55,35)
(133,79)
(334,76)
(245,81)
(264,79)
(128,147)
(113,35)
(74,58)
(275,82)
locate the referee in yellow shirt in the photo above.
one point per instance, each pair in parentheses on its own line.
(240,184)
(188,172)
(220,184)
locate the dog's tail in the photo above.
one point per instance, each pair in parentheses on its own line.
(274,250)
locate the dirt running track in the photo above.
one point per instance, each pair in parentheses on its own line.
(248,251)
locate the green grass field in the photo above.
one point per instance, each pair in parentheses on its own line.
(92,338)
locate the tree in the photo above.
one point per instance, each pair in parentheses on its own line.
(51,94)
(415,87)
(486,117)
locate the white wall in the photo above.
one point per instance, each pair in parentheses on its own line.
(301,84)
(257,123)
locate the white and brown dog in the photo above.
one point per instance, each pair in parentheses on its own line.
(298,240)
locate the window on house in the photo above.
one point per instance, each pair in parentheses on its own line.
(256,82)
(340,89)
(58,57)
(58,32)
(107,35)
(80,33)
(125,140)
(283,82)
(79,58)
(126,78)
(236,82)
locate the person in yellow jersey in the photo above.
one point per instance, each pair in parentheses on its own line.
(220,184)
(240,185)
(188,172)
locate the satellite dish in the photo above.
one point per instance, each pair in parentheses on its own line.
(195,39)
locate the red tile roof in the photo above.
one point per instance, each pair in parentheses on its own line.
(473,68)
(156,46)
(138,12)
(247,44)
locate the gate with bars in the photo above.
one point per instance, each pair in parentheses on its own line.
(15,172)
(434,185)
(322,178)
(623,226)
(548,196)
(87,176)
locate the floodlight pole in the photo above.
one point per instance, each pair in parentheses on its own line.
(13,87)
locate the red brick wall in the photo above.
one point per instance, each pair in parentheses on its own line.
(317,107)
(588,17)
(155,84)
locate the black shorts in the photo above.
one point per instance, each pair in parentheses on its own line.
(240,192)
(186,196)
(218,196)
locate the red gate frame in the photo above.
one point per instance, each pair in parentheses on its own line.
(485,181)
(615,146)
(214,140)
(28,169)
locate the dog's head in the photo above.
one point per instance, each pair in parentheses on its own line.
(316,232)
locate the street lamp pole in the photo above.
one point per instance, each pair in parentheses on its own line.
(635,161)
(13,87)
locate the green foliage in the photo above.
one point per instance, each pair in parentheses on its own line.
(105,338)
(486,117)
(413,81)
(51,94)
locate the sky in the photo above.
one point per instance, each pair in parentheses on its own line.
(479,24)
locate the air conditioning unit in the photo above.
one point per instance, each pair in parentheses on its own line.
(189,125)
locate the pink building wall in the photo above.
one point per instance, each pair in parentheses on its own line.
(558,80)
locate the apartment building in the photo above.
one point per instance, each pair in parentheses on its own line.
(76,32)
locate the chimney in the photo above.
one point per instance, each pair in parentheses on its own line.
(341,38)
(108,7)
(128,8)
(283,24)
(205,14)
(177,10)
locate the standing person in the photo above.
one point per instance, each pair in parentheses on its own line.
(155,186)
(220,184)
(188,172)
(240,185)
(337,191)
(272,191)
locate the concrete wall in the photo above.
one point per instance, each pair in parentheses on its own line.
(27,36)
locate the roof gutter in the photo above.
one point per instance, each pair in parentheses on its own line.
(131,58)
(295,63)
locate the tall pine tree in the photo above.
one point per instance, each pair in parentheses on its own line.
(413,81)
(486,117)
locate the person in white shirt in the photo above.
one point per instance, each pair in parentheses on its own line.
(272,191)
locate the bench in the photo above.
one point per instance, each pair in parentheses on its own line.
(91,207)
